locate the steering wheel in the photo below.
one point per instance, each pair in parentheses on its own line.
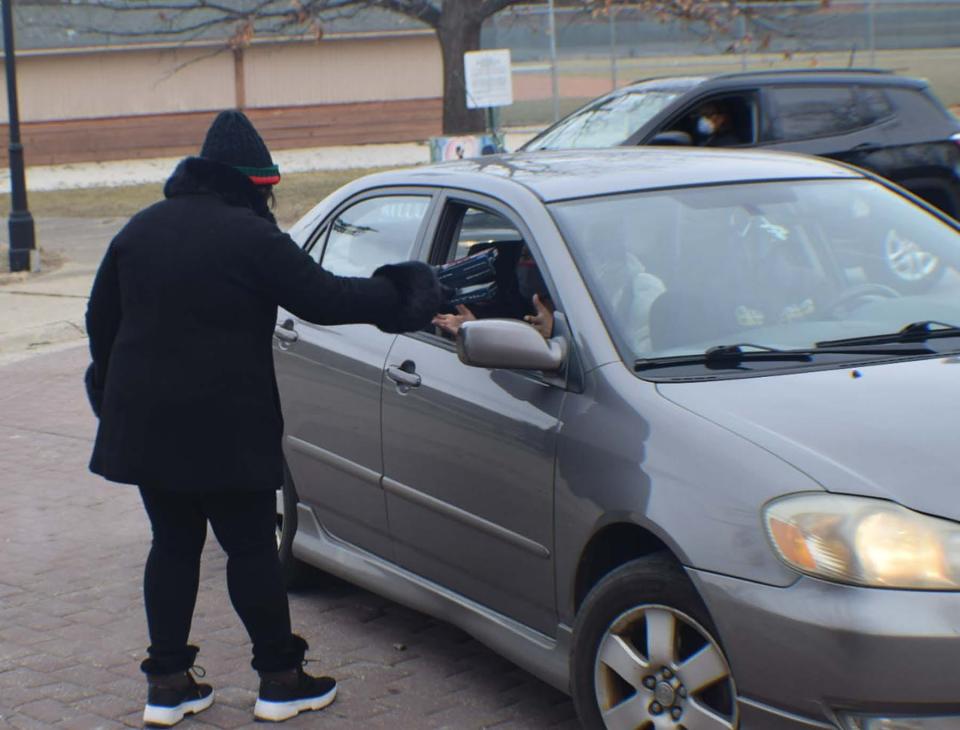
(862,291)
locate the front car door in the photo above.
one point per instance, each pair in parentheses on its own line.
(329,377)
(469,452)
(740,108)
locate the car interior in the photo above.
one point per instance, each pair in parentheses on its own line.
(740,111)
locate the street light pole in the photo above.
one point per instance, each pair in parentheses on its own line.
(554,85)
(22,244)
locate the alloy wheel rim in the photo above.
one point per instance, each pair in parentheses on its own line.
(657,668)
(907,260)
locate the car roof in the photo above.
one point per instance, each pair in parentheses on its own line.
(778,76)
(561,175)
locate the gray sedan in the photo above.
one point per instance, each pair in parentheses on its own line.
(673,447)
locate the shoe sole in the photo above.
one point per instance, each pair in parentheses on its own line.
(279,711)
(159,716)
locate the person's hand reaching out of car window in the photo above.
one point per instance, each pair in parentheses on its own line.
(542,320)
(451,322)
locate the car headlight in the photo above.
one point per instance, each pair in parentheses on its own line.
(868,542)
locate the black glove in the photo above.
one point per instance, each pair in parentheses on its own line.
(420,296)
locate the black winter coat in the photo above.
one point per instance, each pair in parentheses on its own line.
(181,320)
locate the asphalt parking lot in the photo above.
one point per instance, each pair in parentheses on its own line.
(72,630)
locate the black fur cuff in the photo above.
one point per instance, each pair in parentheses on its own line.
(420,295)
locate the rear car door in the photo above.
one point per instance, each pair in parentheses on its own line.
(821,119)
(329,377)
(469,453)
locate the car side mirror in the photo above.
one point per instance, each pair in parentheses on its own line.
(510,344)
(675,138)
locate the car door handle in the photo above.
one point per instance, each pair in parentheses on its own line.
(285,332)
(403,374)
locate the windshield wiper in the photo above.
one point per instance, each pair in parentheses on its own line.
(725,356)
(913,332)
(730,357)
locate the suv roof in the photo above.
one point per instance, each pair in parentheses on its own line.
(802,75)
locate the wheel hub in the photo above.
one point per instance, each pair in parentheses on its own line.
(665,694)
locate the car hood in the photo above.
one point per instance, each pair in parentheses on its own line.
(890,431)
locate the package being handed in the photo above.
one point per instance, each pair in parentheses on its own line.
(470,279)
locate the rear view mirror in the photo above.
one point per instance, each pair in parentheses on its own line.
(675,138)
(508,343)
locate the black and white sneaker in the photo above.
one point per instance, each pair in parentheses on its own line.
(171,697)
(286,694)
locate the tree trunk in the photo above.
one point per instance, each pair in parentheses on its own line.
(458,32)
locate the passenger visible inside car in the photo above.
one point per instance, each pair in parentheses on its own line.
(520,292)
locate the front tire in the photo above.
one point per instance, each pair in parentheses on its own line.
(646,655)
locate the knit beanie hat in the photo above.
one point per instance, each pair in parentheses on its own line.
(233,140)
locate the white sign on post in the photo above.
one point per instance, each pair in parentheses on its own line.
(488,78)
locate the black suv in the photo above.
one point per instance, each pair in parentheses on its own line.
(891,125)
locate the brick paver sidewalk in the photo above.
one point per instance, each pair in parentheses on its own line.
(72,629)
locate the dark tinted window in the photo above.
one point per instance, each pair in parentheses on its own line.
(801,112)
(876,105)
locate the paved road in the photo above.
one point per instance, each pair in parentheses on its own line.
(72,630)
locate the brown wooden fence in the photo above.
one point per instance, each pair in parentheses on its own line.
(172,135)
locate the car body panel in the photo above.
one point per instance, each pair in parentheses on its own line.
(650,465)
(330,387)
(468,474)
(554,176)
(873,418)
(546,657)
(867,649)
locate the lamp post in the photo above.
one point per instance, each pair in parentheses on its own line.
(22,246)
(554,85)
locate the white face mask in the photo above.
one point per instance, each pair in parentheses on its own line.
(705,126)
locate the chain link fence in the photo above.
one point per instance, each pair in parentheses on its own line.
(598,52)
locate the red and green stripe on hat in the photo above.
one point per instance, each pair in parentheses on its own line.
(262,175)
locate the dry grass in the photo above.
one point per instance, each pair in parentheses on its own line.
(297,194)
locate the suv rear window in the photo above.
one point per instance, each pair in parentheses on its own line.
(801,112)
(876,105)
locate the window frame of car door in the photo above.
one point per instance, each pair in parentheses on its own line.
(691,105)
(570,376)
(320,233)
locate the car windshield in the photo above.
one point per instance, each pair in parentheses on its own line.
(606,124)
(782,265)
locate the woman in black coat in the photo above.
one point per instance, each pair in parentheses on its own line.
(180,320)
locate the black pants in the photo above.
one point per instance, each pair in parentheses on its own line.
(244,524)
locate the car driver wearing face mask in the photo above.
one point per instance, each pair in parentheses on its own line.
(715,127)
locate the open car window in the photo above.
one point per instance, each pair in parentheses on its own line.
(489,270)
(721,121)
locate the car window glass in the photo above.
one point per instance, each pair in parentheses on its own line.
(876,105)
(608,123)
(779,264)
(490,272)
(802,112)
(372,233)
